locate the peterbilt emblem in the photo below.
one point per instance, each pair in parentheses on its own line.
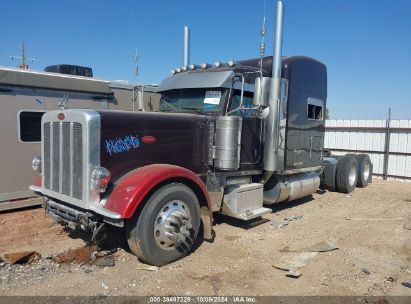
(148,139)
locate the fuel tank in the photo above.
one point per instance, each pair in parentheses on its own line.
(290,187)
(228,142)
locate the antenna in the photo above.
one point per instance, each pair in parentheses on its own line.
(136,64)
(262,43)
(23,64)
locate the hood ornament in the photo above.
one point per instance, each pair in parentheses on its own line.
(63,102)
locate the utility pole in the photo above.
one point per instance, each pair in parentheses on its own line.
(23,58)
(136,64)
(387,144)
(138,91)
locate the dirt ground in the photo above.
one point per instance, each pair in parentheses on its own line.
(374,255)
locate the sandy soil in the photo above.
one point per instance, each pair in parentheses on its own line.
(374,255)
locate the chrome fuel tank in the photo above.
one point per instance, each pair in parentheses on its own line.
(290,187)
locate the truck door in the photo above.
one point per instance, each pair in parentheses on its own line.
(307,95)
(251,134)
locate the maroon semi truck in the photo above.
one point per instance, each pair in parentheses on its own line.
(231,138)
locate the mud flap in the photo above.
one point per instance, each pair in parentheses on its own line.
(329,176)
(207,224)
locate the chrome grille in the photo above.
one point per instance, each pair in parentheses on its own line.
(63,158)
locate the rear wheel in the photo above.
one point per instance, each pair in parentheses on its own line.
(346,175)
(364,170)
(167,226)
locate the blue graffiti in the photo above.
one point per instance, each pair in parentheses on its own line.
(118,145)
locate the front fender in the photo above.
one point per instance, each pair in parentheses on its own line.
(130,191)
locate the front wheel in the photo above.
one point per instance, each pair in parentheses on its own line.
(166,227)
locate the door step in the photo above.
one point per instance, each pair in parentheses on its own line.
(248,215)
(244,202)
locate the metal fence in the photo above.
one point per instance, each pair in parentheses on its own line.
(388,142)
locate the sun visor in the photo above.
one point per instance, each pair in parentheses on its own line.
(191,80)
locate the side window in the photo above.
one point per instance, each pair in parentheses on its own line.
(247,103)
(29,126)
(315,109)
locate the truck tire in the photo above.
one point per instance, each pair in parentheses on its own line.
(347,173)
(167,226)
(364,170)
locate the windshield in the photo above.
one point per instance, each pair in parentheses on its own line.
(197,100)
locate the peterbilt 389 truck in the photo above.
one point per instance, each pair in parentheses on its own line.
(232,138)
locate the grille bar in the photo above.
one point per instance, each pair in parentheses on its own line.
(47,152)
(77,161)
(63,158)
(66,159)
(71,158)
(55,157)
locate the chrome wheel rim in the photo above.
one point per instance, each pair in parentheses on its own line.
(172,225)
(366,170)
(352,176)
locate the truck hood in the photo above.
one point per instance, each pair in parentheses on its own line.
(133,140)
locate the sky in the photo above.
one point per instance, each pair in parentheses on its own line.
(366,44)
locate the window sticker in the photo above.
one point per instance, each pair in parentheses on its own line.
(212,97)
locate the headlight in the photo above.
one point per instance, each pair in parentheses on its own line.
(100,178)
(36,164)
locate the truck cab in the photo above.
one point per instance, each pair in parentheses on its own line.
(219,92)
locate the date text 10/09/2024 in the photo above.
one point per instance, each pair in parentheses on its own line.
(203,299)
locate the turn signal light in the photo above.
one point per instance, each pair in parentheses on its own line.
(100,177)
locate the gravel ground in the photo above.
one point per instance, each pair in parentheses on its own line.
(368,227)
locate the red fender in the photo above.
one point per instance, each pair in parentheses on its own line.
(134,187)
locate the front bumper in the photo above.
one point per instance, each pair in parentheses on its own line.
(75,217)
(70,217)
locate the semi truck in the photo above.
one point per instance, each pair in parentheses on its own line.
(233,138)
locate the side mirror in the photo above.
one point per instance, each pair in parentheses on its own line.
(261,90)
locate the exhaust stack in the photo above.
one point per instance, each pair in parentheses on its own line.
(186,46)
(271,141)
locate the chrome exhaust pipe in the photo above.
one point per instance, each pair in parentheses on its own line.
(271,140)
(186,46)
